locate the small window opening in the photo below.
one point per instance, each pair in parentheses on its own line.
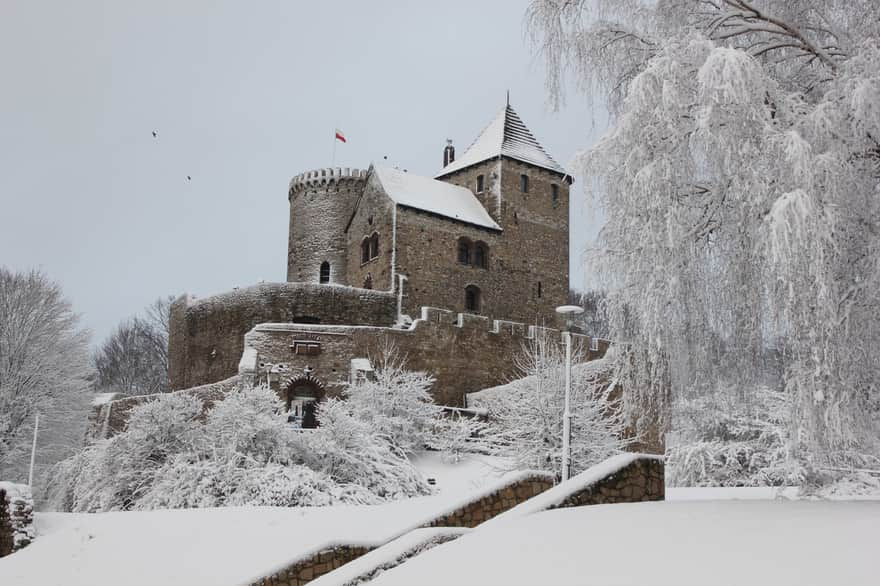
(481,255)
(368,282)
(324,276)
(472,300)
(365,250)
(464,251)
(524,183)
(374,245)
(539,289)
(554,190)
(480,183)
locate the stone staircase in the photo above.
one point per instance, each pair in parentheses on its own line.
(622,479)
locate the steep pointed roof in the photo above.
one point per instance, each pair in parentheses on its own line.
(507,136)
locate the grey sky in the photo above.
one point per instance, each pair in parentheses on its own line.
(243,95)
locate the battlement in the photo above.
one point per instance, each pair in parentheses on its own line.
(328,176)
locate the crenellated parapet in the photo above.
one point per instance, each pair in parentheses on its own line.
(317,178)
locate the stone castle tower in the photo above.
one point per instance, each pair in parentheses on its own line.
(430,244)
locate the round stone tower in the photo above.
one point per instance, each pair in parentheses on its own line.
(321,203)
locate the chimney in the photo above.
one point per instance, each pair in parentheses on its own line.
(448,153)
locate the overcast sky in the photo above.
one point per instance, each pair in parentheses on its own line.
(243,96)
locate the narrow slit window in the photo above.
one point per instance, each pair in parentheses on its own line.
(480,179)
(324,276)
(524,183)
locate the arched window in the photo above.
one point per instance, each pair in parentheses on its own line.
(365,250)
(374,245)
(472,298)
(481,255)
(368,282)
(464,251)
(324,276)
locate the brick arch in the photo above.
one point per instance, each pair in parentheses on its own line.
(304,386)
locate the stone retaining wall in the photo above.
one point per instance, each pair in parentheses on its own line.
(16,517)
(304,571)
(111,417)
(496,503)
(642,480)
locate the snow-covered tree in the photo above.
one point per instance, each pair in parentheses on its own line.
(134,358)
(525,416)
(731,439)
(394,401)
(739,179)
(44,368)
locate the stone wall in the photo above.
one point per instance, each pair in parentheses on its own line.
(207,335)
(6,540)
(464,352)
(16,517)
(491,505)
(315,566)
(111,417)
(642,480)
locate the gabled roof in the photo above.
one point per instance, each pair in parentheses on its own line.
(436,197)
(507,136)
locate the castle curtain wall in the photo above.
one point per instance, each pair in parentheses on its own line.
(206,338)
(464,353)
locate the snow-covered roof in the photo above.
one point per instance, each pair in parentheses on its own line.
(437,197)
(507,136)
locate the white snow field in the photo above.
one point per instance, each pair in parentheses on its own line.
(750,542)
(226,546)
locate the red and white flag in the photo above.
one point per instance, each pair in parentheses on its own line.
(339,135)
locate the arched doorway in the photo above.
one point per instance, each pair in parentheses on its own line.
(301,397)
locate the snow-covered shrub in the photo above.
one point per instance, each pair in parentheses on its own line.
(113,474)
(728,439)
(352,451)
(395,402)
(245,453)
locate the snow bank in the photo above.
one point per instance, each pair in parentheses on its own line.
(731,543)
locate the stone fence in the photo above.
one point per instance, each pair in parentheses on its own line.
(16,517)
(111,417)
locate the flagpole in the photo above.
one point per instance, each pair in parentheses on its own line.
(333,164)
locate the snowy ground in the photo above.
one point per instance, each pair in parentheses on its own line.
(222,546)
(756,540)
(748,542)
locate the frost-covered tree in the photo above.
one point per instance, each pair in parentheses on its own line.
(44,368)
(394,401)
(739,179)
(525,416)
(134,358)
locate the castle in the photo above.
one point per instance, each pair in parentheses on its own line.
(457,271)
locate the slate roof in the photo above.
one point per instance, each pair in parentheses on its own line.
(437,197)
(507,136)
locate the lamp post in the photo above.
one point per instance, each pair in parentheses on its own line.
(568,312)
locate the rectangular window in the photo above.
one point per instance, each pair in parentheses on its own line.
(554,190)
(524,183)
(479,184)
